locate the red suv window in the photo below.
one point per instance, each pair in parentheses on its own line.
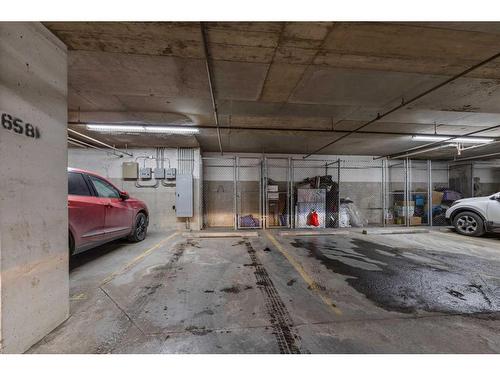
(104,190)
(77,185)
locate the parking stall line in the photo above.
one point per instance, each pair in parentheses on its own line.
(302,272)
(137,259)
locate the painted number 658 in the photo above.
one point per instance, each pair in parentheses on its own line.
(17,126)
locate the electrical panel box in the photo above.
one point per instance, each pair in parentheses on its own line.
(130,170)
(145,173)
(170,173)
(184,195)
(159,173)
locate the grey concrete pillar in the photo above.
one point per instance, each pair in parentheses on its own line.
(33,185)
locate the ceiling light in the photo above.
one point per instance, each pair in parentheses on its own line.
(472,140)
(141,129)
(454,140)
(170,129)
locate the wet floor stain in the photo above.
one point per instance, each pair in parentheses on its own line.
(408,280)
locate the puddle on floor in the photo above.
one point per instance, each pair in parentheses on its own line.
(407,280)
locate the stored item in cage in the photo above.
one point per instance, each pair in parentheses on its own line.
(354,217)
(313,219)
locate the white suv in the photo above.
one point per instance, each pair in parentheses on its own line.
(475,216)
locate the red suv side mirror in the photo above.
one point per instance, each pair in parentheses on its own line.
(124,195)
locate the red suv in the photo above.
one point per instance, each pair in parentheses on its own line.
(99,212)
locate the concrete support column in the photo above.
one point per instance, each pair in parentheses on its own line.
(33,185)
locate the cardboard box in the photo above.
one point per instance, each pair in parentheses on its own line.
(273,196)
(415,220)
(437,197)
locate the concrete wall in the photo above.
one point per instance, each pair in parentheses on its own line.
(160,200)
(33,186)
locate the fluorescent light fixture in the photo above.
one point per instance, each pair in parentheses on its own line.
(142,129)
(447,139)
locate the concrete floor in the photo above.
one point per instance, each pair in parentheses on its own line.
(431,292)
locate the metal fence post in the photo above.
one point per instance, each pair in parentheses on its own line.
(292,193)
(407,191)
(235,188)
(338,195)
(264,192)
(384,203)
(430,189)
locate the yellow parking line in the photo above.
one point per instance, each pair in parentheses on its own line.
(137,259)
(305,276)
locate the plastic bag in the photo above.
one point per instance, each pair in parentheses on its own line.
(313,219)
(356,219)
(344,217)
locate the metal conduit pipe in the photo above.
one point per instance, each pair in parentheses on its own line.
(77,142)
(479,146)
(421,151)
(478,157)
(404,103)
(425,147)
(98,142)
(157,183)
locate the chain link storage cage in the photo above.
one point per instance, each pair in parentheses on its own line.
(314,192)
(361,184)
(276,188)
(441,196)
(419,192)
(219,187)
(249,192)
(485,177)
(396,188)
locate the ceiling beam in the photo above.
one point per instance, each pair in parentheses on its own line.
(405,103)
(210,74)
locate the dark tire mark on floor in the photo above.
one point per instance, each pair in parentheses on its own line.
(279,317)
(160,273)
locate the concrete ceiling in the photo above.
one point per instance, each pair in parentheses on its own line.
(281,79)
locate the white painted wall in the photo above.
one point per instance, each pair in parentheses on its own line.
(33,187)
(160,200)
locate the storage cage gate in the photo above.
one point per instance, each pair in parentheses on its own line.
(245,192)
